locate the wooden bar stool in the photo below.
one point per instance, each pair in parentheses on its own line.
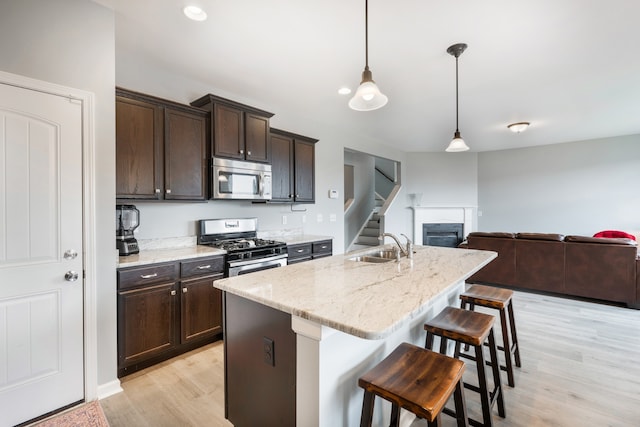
(417,380)
(472,328)
(499,299)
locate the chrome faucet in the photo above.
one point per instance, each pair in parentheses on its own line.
(408,252)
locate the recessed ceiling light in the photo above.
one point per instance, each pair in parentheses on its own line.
(344,91)
(195,13)
(518,127)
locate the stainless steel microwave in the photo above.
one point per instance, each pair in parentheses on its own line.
(235,179)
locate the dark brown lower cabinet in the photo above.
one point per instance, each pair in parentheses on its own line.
(167,309)
(260,364)
(307,251)
(201,309)
(147,322)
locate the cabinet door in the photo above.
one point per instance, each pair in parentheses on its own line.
(138,149)
(185,146)
(257,138)
(304,171)
(228,132)
(201,309)
(281,168)
(146,322)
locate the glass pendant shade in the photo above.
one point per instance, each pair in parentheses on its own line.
(457,144)
(368,97)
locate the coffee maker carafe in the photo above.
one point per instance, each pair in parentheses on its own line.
(127,220)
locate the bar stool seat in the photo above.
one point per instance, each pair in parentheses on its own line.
(501,300)
(416,379)
(470,328)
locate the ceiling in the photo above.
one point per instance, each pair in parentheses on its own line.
(570,67)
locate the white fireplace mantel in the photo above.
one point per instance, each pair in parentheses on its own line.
(442,214)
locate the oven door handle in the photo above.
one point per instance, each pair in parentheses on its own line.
(235,264)
(235,269)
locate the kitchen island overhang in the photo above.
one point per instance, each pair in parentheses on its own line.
(345,316)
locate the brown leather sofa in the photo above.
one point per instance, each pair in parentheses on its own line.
(600,268)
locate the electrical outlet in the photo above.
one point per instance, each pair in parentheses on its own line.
(304,219)
(284,220)
(332,218)
(319,217)
(268,354)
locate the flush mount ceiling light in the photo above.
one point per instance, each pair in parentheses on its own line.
(368,97)
(518,127)
(195,13)
(457,143)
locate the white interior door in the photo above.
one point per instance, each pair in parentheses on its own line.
(41,252)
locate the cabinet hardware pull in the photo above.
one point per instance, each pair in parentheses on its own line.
(173,292)
(241,151)
(300,251)
(297,195)
(157,190)
(184,290)
(248,153)
(148,276)
(168,191)
(204,267)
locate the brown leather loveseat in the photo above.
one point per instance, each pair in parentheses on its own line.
(601,268)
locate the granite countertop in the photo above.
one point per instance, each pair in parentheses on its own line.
(152,256)
(367,300)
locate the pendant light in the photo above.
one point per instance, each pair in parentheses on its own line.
(457,143)
(368,97)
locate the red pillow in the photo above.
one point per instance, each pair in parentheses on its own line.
(615,234)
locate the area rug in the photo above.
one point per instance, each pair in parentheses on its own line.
(87,415)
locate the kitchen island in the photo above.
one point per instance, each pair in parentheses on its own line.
(297,338)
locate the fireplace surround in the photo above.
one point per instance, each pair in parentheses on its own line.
(464,215)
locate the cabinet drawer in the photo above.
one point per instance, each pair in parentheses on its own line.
(323,247)
(201,266)
(299,251)
(156,273)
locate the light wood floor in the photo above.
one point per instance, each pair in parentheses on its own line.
(580,367)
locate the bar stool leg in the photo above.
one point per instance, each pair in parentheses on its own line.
(367,409)
(395,416)
(483,390)
(507,347)
(514,335)
(461,408)
(495,367)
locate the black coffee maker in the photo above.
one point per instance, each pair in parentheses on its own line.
(127,220)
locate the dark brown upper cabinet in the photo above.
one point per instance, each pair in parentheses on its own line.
(292,167)
(161,149)
(238,131)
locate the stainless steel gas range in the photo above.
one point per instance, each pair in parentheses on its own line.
(246,253)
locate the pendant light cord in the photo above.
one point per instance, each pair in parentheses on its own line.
(457,130)
(366,34)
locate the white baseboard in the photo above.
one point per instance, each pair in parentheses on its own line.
(109,389)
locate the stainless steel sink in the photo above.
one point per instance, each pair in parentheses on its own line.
(377,256)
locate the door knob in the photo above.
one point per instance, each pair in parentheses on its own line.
(71,276)
(70,254)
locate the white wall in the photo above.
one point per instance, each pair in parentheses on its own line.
(71,43)
(573,188)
